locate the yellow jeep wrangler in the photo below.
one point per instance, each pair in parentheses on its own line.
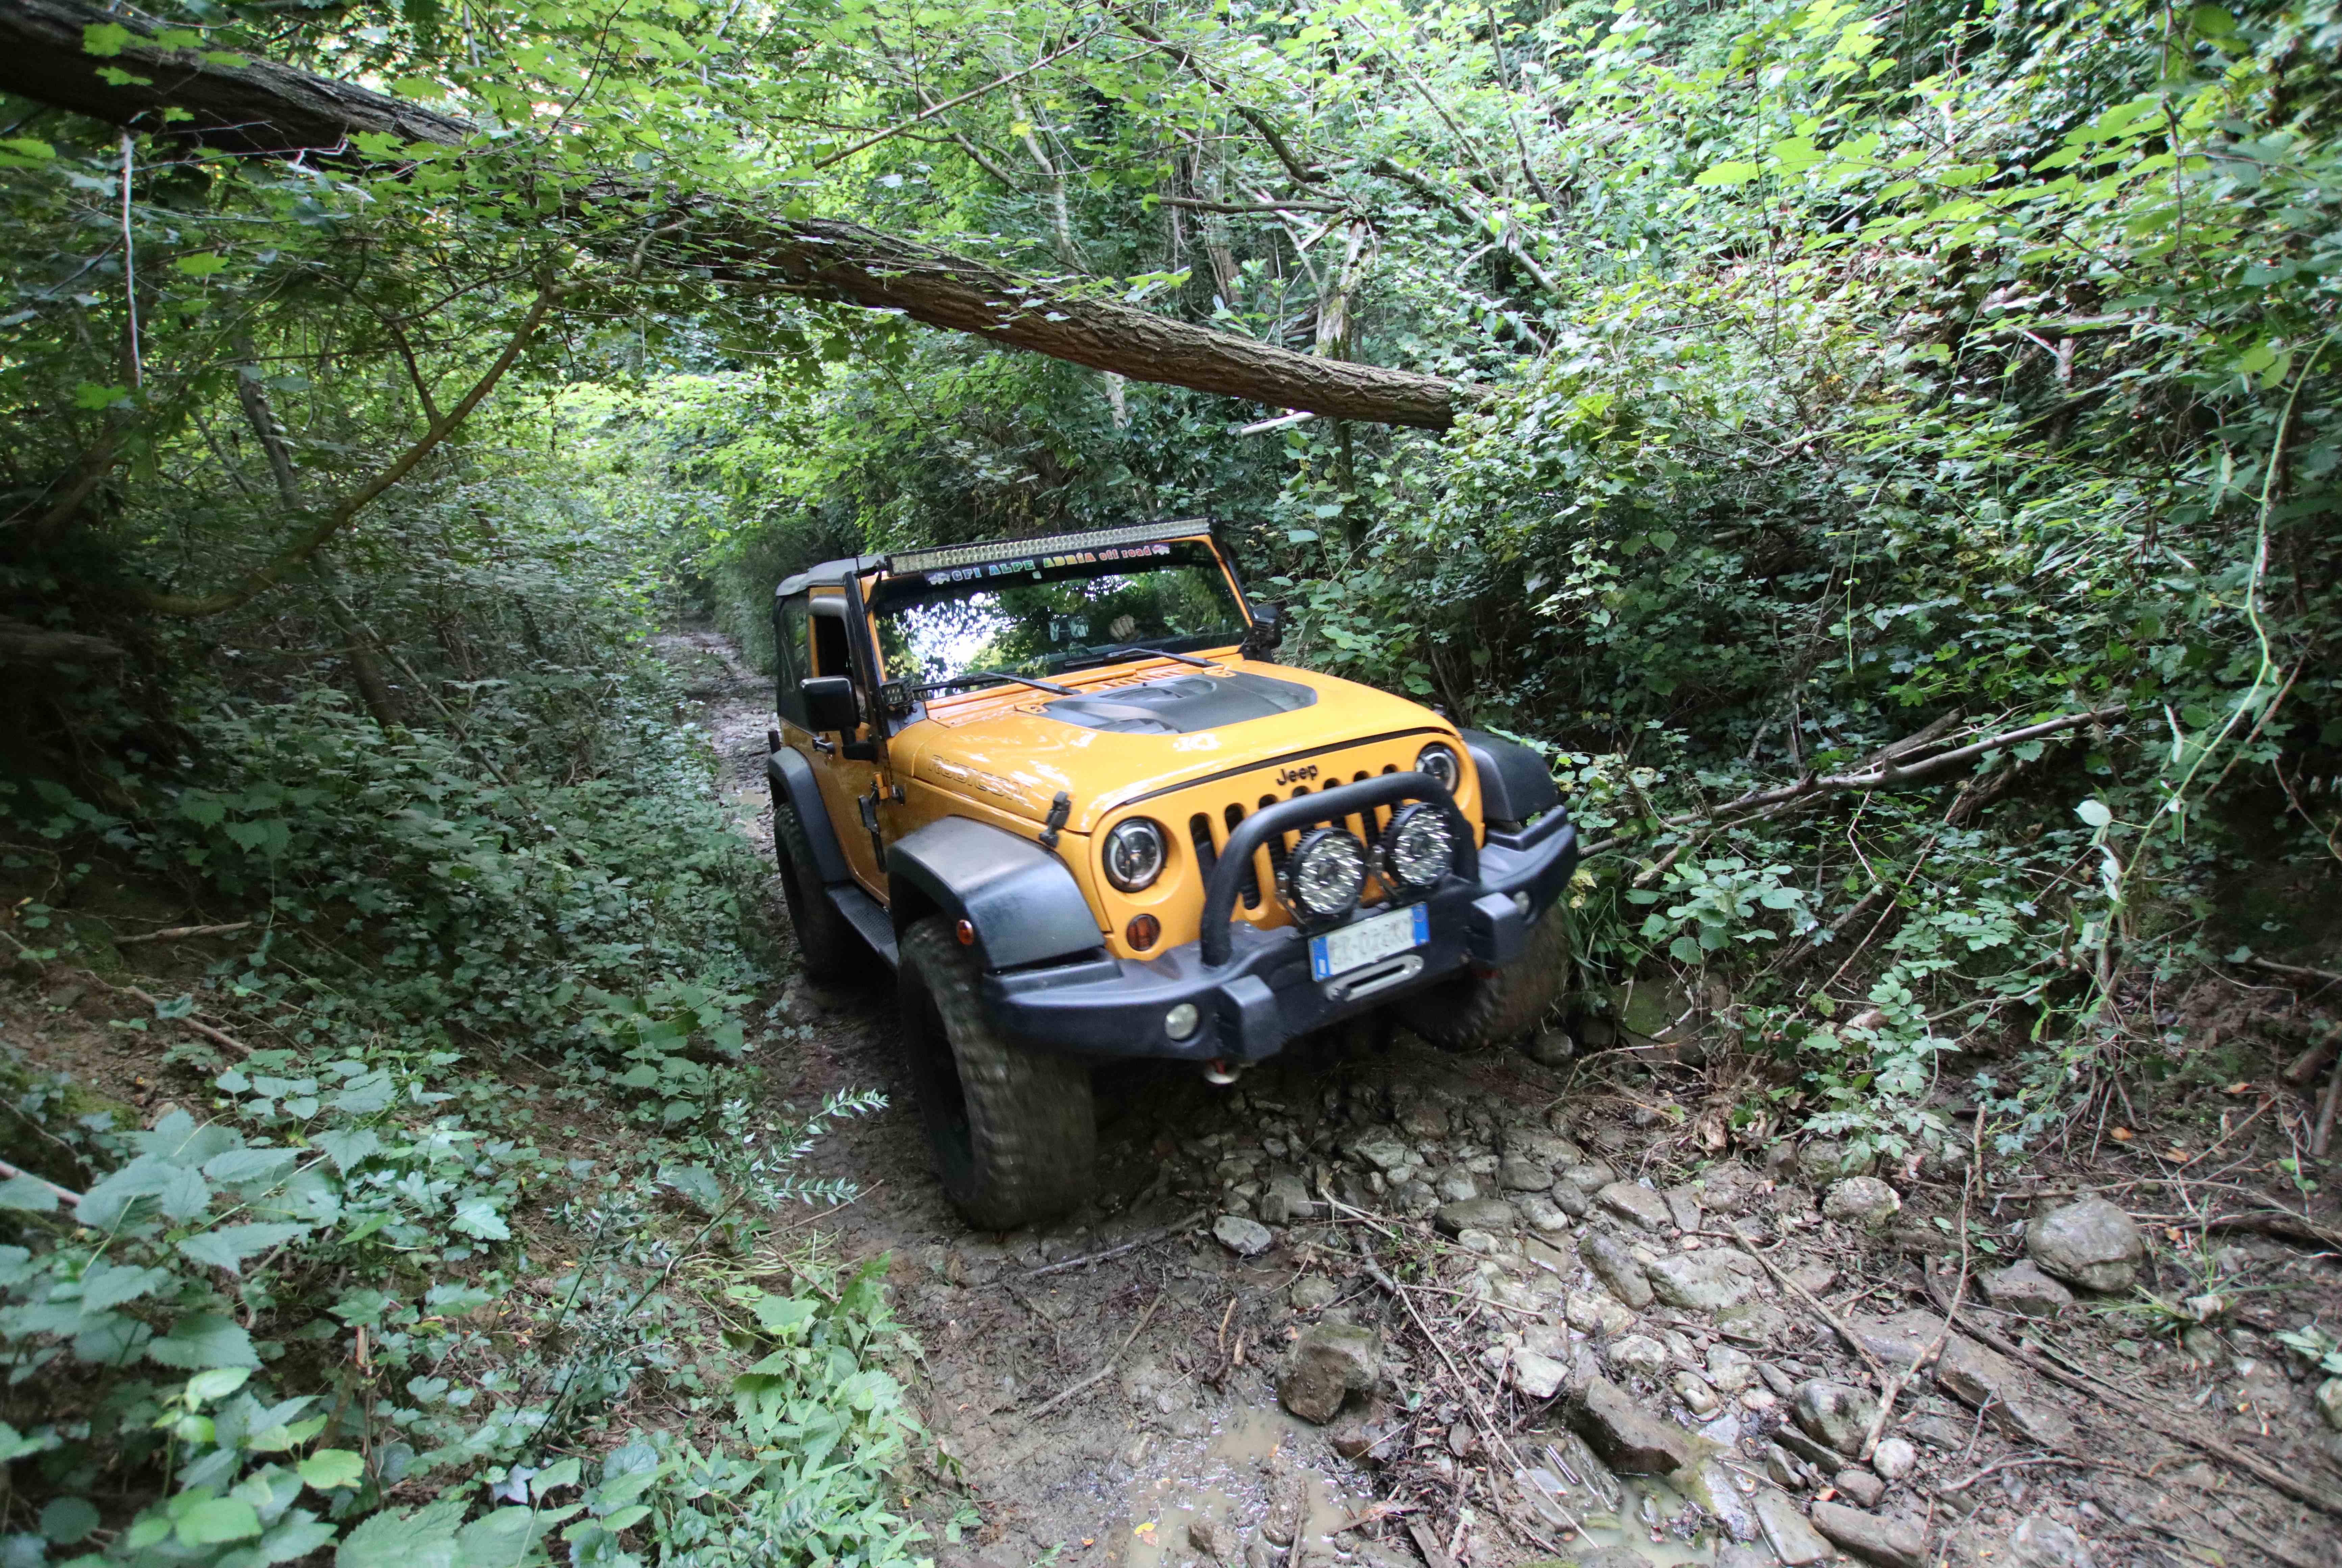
(1061,786)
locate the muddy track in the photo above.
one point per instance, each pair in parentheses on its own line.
(1125,1412)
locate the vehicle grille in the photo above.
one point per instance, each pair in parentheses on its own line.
(1210,831)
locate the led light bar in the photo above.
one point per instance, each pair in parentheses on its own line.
(956,556)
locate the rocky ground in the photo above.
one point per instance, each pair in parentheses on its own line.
(1377,1304)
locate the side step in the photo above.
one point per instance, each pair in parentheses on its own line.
(864,913)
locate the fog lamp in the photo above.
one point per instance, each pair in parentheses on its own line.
(1181,1021)
(1324,876)
(1417,850)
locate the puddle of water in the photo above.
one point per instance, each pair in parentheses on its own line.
(1228,1487)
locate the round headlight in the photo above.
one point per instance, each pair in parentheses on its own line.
(1324,876)
(1417,849)
(1440,763)
(1134,855)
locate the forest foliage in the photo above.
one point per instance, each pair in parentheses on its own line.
(1846,372)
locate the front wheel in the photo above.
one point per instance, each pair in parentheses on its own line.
(833,950)
(1014,1131)
(1476,1008)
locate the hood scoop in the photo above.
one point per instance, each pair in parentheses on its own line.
(1182,705)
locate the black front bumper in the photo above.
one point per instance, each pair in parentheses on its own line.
(1263,995)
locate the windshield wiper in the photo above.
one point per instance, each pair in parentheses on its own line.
(1099,655)
(976,678)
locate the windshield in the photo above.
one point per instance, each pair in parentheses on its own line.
(1054,613)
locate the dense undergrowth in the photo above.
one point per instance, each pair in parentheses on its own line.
(1854,373)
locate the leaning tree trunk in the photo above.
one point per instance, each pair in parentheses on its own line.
(259,107)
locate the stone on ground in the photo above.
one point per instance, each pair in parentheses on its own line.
(2091,1243)
(1710,1483)
(1638,1205)
(1683,1207)
(1970,1373)
(1837,1414)
(1539,1377)
(1629,1438)
(1312,1292)
(1244,1237)
(1894,1459)
(1864,1201)
(1328,1363)
(1552,1048)
(1698,1281)
(1614,1261)
(2022,1288)
(1286,1200)
(1515,1175)
(1476,1215)
(1542,1213)
(1380,1150)
(1890,1542)
(1792,1538)
(1860,1487)
(2040,1541)
(1638,1354)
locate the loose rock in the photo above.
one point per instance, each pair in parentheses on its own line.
(2091,1243)
(1213,1539)
(1636,1204)
(1537,1376)
(1970,1373)
(1792,1538)
(1627,1438)
(1329,1363)
(1478,1214)
(2040,1541)
(1639,1354)
(1380,1150)
(1542,1213)
(2328,1399)
(1614,1262)
(2022,1288)
(1286,1200)
(1710,1484)
(1312,1292)
(1860,1486)
(1864,1201)
(1244,1237)
(1894,1459)
(1835,1414)
(1683,1207)
(1698,1281)
(1889,1542)
(1552,1048)
(1515,1175)
(1456,1185)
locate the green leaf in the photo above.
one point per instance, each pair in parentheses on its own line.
(348,1147)
(27,1194)
(1728,174)
(331,1467)
(203,265)
(89,394)
(425,1539)
(104,39)
(248,1165)
(216,1384)
(203,1340)
(67,1520)
(216,1523)
(229,1245)
(476,1216)
(2095,812)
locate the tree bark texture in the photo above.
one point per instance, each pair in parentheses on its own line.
(259,107)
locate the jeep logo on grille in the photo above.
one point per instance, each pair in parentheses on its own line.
(1295,775)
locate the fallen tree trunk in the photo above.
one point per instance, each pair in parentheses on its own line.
(260,108)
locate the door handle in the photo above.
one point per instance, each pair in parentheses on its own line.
(820,744)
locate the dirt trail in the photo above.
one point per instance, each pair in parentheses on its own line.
(1547,1230)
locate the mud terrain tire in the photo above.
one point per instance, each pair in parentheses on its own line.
(1473,1011)
(1014,1131)
(833,951)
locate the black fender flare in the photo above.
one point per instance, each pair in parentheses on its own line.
(791,780)
(1515,783)
(1023,905)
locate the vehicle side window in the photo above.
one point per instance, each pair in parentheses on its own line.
(791,644)
(829,651)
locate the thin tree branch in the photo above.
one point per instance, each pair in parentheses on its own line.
(302,548)
(928,113)
(1202,205)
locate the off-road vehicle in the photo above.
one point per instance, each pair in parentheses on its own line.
(1062,788)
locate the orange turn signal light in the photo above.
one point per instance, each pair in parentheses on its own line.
(966,932)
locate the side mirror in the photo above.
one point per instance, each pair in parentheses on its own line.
(1267,634)
(829,705)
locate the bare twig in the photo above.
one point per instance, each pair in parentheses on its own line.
(70,1198)
(1100,1375)
(1889,774)
(1162,1232)
(2293,970)
(172,933)
(931,110)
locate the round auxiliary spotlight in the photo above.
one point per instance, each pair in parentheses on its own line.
(1416,851)
(1324,876)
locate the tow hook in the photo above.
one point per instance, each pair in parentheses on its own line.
(1218,1071)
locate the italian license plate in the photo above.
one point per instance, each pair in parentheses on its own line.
(1362,941)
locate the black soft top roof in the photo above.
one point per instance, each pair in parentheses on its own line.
(944,556)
